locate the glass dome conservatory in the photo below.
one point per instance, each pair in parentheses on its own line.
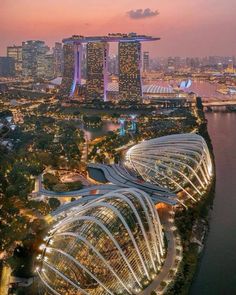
(112,245)
(178,162)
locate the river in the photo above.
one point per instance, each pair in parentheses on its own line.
(217,268)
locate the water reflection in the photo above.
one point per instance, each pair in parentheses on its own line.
(92,133)
(217,272)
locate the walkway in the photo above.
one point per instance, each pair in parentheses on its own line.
(5,280)
(166,217)
(119,176)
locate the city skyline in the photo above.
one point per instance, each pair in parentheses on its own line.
(208,24)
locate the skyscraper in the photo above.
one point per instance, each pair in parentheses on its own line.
(130,87)
(97,63)
(31,51)
(58,59)
(145,61)
(16,53)
(71,69)
(49,66)
(230,67)
(41,66)
(7,66)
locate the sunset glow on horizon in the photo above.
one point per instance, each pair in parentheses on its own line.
(186,27)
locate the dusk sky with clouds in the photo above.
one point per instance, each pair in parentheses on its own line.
(186,27)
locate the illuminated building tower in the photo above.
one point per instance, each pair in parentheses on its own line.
(16,53)
(170,64)
(122,126)
(7,66)
(97,65)
(49,66)
(58,59)
(230,68)
(146,61)
(71,70)
(133,123)
(97,70)
(41,60)
(130,87)
(31,50)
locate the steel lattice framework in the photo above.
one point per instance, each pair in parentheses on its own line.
(179,162)
(112,245)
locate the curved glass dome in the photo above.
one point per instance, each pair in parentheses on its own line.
(178,162)
(113,245)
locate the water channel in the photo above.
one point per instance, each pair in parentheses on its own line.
(217,269)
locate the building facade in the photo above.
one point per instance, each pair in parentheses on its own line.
(16,53)
(32,54)
(97,70)
(69,58)
(58,59)
(7,66)
(130,86)
(97,60)
(146,62)
(41,62)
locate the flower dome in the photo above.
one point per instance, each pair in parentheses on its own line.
(178,162)
(112,245)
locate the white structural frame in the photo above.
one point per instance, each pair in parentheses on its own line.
(152,240)
(182,160)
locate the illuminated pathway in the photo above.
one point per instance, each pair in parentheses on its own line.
(166,217)
(117,175)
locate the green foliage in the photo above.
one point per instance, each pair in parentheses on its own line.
(54,203)
(50,180)
(93,120)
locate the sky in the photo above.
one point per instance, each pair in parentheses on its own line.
(186,27)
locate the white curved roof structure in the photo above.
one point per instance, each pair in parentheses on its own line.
(179,162)
(147,89)
(157,89)
(112,245)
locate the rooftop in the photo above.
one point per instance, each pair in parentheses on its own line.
(131,37)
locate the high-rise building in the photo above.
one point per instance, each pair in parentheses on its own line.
(145,61)
(7,66)
(41,61)
(16,53)
(83,61)
(97,69)
(170,64)
(97,64)
(31,51)
(71,70)
(230,67)
(58,59)
(49,66)
(130,87)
